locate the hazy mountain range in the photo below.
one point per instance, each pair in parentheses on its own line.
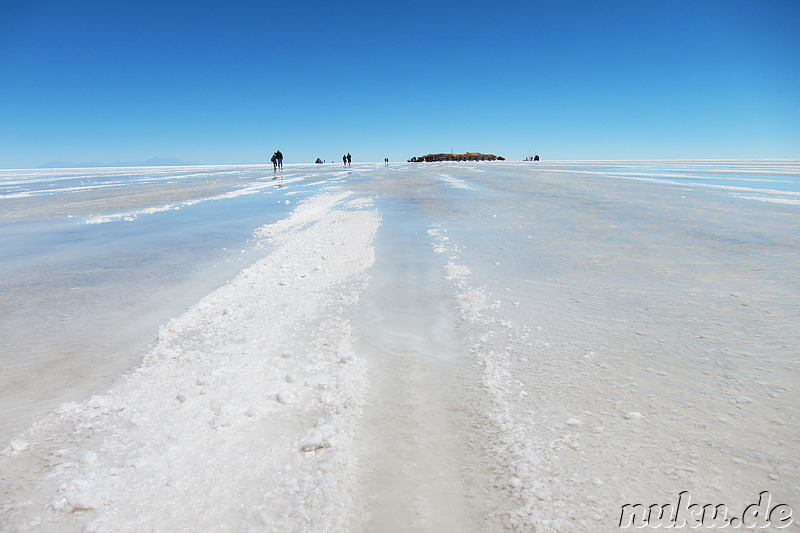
(152,162)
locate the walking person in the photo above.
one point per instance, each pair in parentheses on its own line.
(274,160)
(344,160)
(348,159)
(279,155)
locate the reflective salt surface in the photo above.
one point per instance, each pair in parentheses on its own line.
(437,347)
(82,299)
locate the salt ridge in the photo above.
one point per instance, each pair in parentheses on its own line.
(243,411)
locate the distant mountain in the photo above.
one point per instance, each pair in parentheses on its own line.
(152,162)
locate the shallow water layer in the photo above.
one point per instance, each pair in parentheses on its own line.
(618,322)
(540,345)
(422,464)
(636,339)
(87,275)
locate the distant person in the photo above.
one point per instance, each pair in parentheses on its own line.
(279,156)
(344,160)
(274,160)
(349,159)
(386,161)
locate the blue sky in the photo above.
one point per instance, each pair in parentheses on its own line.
(230,82)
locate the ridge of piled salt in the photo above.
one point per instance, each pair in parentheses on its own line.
(245,407)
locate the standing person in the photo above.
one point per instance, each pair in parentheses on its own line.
(344,160)
(274,160)
(348,159)
(279,155)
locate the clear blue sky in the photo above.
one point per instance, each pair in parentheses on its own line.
(230,82)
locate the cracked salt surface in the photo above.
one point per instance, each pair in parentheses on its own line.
(526,354)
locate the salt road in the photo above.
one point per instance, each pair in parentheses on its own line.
(444,347)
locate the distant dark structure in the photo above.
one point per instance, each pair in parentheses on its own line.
(318,161)
(536,157)
(467,156)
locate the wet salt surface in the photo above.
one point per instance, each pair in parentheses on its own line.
(82,301)
(488,347)
(638,344)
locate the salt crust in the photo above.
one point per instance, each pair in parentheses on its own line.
(518,460)
(529,492)
(455,182)
(244,410)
